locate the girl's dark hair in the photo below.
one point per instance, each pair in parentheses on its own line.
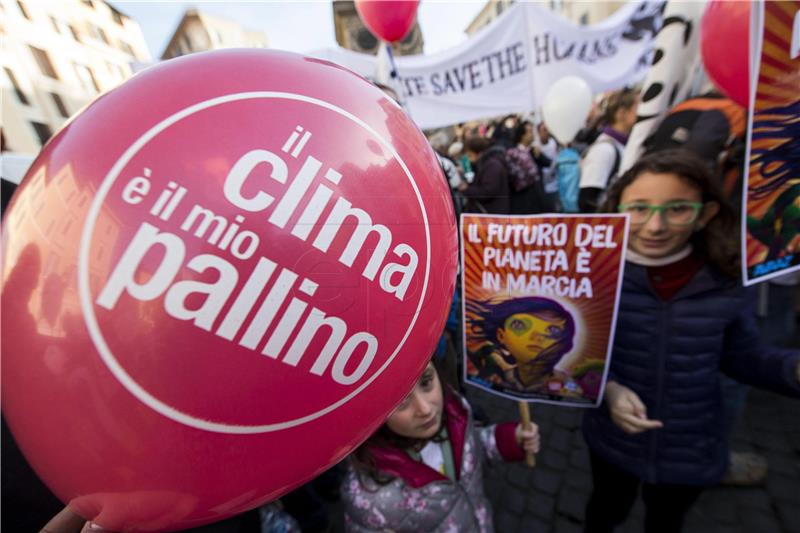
(362,459)
(477,144)
(718,241)
(519,131)
(622,99)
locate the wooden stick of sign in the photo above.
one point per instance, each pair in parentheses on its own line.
(525,415)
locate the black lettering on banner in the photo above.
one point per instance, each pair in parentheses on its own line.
(548,48)
(476,73)
(541,46)
(434,79)
(413,86)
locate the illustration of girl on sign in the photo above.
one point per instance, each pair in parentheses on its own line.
(521,342)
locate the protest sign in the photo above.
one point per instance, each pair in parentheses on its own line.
(771,234)
(540,297)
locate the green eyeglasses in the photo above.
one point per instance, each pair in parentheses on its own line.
(672,213)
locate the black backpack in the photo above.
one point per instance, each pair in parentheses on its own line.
(712,127)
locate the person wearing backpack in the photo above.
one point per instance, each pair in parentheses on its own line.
(601,161)
(712,127)
(527,194)
(489,191)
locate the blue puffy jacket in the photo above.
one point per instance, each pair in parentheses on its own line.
(670,353)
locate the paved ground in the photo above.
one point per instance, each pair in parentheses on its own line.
(551,497)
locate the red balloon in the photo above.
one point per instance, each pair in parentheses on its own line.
(218,280)
(389,20)
(725,48)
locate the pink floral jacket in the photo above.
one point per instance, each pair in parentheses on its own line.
(420,499)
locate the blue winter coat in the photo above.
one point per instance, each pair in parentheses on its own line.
(670,353)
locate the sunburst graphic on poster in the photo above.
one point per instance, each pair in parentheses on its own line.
(540,296)
(771,235)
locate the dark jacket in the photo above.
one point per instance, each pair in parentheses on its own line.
(670,353)
(491,187)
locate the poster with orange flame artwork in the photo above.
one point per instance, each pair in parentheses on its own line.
(540,296)
(771,203)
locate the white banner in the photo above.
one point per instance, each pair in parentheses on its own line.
(507,66)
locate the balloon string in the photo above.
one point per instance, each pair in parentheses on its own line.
(395,76)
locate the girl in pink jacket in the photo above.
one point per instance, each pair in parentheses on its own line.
(422,470)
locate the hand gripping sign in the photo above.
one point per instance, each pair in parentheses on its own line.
(218,279)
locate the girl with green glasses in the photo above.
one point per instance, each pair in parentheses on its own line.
(683,317)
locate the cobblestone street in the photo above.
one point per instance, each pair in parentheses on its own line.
(551,497)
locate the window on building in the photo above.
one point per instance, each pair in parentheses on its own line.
(365,39)
(62,109)
(55,24)
(584,19)
(88,3)
(499,7)
(17,89)
(86,76)
(75,34)
(102,34)
(23,10)
(117,16)
(125,47)
(43,60)
(98,33)
(43,131)
(116,71)
(188,42)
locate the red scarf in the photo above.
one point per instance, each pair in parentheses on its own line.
(667,280)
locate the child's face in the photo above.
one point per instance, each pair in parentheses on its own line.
(656,238)
(419,416)
(525,336)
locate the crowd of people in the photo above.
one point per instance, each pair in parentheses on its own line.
(684,320)
(515,166)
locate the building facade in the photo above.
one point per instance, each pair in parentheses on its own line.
(57,56)
(490,11)
(199,32)
(581,12)
(586,13)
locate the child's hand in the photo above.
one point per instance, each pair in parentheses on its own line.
(627,410)
(528,439)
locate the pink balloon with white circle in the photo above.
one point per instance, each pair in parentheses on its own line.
(218,280)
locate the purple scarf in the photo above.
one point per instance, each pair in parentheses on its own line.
(618,136)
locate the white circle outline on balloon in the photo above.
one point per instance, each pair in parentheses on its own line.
(86,298)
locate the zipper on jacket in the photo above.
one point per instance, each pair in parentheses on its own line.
(663,337)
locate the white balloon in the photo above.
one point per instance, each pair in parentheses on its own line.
(566,106)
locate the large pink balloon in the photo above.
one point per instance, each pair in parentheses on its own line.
(218,280)
(389,20)
(725,47)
